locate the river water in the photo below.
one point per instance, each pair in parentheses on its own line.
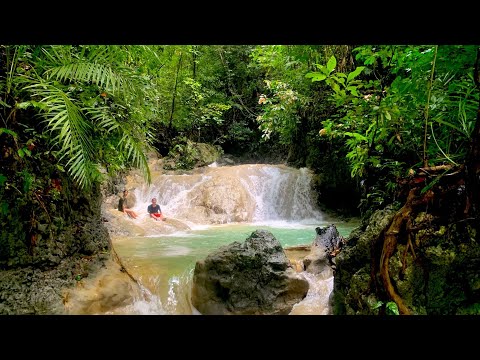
(206,209)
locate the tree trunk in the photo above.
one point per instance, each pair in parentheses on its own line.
(194,61)
(174,94)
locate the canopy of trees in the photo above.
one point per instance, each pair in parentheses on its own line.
(376,112)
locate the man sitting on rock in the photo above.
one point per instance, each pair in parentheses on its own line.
(155,211)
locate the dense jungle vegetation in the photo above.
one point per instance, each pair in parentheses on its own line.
(379,124)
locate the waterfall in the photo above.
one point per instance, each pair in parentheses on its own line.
(228,194)
(207,208)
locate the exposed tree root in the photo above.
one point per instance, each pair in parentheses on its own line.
(429,169)
(390,244)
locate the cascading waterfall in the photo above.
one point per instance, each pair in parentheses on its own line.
(244,193)
(207,208)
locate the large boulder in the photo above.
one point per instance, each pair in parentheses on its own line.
(254,277)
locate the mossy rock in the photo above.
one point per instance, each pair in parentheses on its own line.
(189,155)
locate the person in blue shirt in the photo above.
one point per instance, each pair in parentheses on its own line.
(155,211)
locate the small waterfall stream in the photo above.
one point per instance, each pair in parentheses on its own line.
(243,193)
(208,208)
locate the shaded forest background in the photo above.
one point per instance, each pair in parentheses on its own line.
(378,124)
(362,117)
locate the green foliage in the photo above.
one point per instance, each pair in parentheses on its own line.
(382,108)
(27,180)
(92,98)
(285,93)
(3,204)
(204,112)
(346,90)
(473,309)
(391,307)
(344,86)
(9,132)
(102,106)
(240,133)
(280,111)
(184,154)
(3,208)
(69,129)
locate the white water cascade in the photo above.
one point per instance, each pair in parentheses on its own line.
(205,209)
(243,193)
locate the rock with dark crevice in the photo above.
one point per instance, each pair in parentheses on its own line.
(253,277)
(327,242)
(328,237)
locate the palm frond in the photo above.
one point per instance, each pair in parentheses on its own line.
(94,64)
(129,143)
(80,70)
(64,119)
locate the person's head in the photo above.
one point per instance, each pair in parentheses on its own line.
(125,192)
(154,201)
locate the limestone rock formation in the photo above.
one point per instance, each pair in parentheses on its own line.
(254,277)
(327,242)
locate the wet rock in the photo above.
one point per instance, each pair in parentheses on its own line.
(109,290)
(327,241)
(439,278)
(254,277)
(353,263)
(74,242)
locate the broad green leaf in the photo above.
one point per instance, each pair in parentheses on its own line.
(353,90)
(392,308)
(27,181)
(23,105)
(316,76)
(356,136)
(338,79)
(355,73)
(335,87)
(331,64)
